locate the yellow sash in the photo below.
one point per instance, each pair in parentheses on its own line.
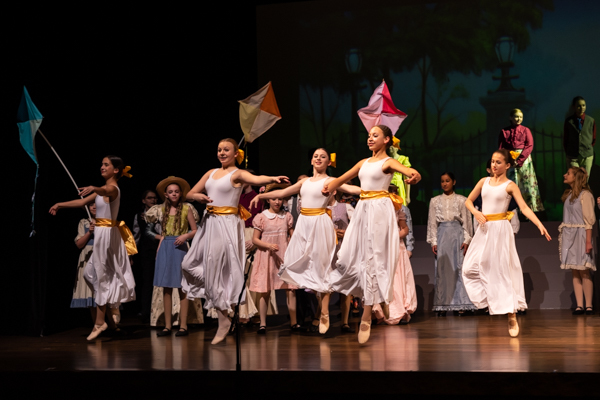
(312,212)
(379,194)
(123,229)
(240,211)
(500,216)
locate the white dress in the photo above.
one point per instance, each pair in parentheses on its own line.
(369,253)
(307,261)
(491,269)
(108,270)
(213,268)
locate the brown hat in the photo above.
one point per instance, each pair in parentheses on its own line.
(274,186)
(162,186)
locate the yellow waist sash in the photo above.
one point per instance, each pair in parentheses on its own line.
(379,194)
(500,216)
(312,212)
(123,229)
(240,211)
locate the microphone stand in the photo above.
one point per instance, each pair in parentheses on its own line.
(236,317)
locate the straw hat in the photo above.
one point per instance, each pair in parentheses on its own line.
(162,186)
(274,186)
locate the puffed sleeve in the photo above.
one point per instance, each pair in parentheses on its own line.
(84,223)
(432,224)
(154,214)
(410,238)
(587,206)
(194,212)
(259,222)
(467,222)
(290,220)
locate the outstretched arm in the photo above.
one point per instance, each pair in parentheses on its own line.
(334,184)
(245,177)
(514,191)
(278,194)
(350,189)
(392,165)
(73,203)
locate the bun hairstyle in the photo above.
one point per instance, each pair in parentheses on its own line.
(507,157)
(387,132)
(117,163)
(580,184)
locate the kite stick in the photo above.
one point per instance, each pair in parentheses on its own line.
(241,141)
(65,167)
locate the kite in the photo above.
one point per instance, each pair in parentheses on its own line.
(258,113)
(381,110)
(29,119)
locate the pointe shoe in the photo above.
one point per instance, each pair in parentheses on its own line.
(221,332)
(513,325)
(385,308)
(364,332)
(324,324)
(98,329)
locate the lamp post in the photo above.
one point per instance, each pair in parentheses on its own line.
(505,50)
(353,66)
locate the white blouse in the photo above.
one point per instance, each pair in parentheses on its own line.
(444,208)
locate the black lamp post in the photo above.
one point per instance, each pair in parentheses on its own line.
(505,50)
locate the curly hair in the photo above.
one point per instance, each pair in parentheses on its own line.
(579,185)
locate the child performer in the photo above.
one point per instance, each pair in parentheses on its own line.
(449,232)
(83,296)
(272,230)
(405,293)
(579,136)
(575,239)
(108,270)
(307,262)
(214,266)
(178,225)
(369,254)
(519,139)
(491,270)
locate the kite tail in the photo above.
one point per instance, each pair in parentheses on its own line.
(33,202)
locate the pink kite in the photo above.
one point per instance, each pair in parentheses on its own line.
(381,110)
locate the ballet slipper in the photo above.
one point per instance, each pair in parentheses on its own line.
(513,325)
(98,329)
(385,308)
(364,332)
(324,323)
(224,325)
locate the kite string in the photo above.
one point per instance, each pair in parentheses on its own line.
(65,167)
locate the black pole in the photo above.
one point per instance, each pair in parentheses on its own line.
(236,317)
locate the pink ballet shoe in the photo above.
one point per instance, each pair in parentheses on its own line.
(222,332)
(324,324)
(513,325)
(98,329)
(364,332)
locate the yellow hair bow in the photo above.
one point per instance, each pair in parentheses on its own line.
(332,158)
(515,154)
(240,156)
(396,142)
(126,171)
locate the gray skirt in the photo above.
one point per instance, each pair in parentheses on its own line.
(450,293)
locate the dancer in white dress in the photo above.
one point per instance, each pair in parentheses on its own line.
(108,271)
(368,256)
(213,268)
(307,261)
(492,272)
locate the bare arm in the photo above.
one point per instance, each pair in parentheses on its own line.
(350,189)
(73,203)
(196,192)
(245,177)
(109,191)
(392,165)
(193,228)
(403,229)
(514,191)
(262,244)
(472,197)
(337,182)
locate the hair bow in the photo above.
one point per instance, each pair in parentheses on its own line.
(515,154)
(240,156)
(332,158)
(396,142)
(126,172)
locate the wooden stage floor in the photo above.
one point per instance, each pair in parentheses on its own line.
(555,354)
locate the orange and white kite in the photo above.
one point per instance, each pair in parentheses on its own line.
(258,113)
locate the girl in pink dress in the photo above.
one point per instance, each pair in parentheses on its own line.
(272,230)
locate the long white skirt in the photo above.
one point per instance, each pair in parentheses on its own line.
(369,253)
(307,260)
(213,268)
(492,271)
(108,270)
